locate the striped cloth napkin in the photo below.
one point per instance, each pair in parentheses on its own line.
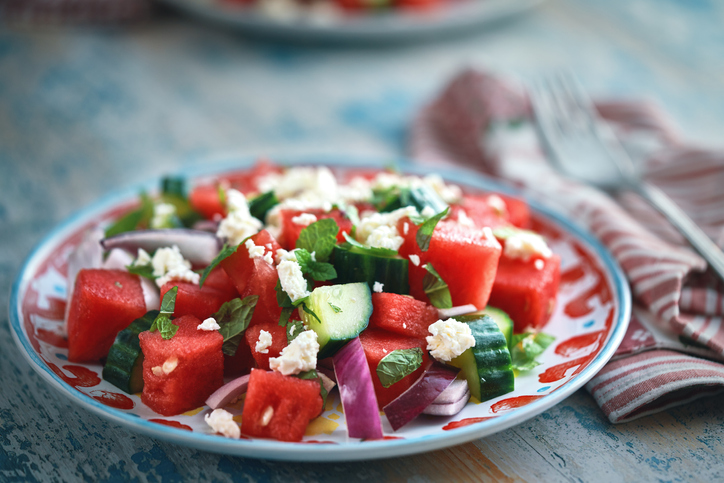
(47,12)
(674,346)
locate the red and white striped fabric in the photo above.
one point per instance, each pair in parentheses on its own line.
(45,12)
(484,122)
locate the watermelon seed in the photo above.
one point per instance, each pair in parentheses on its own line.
(266,417)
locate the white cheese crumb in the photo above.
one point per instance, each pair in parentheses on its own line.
(377,287)
(162,215)
(268,258)
(415,260)
(539,264)
(208,324)
(428,212)
(465,220)
(168,264)
(222,421)
(488,233)
(292,279)
(449,193)
(238,224)
(385,237)
(299,356)
(292,329)
(142,259)
(255,251)
(406,228)
(267,415)
(371,221)
(264,342)
(525,245)
(305,219)
(236,202)
(497,204)
(449,339)
(269,246)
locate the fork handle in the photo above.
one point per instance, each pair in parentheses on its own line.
(686,226)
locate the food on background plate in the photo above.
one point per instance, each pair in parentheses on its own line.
(403,293)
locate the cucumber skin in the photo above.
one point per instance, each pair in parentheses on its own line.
(355,267)
(487,366)
(505,323)
(327,345)
(123,360)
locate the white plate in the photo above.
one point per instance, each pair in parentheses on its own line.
(393,25)
(589,322)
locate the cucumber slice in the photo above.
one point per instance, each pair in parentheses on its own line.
(124,365)
(420,197)
(344,312)
(505,323)
(352,266)
(487,366)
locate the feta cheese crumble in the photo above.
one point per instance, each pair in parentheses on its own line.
(526,245)
(415,260)
(238,224)
(380,229)
(299,356)
(497,204)
(305,219)
(255,251)
(465,220)
(208,324)
(539,264)
(168,264)
(142,259)
(163,214)
(222,421)
(264,342)
(449,339)
(377,287)
(292,279)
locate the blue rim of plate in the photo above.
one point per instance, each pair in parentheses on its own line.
(275,450)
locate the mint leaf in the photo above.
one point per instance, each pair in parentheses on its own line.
(334,308)
(134,219)
(166,327)
(321,271)
(320,237)
(222,195)
(436,288)
(284,316)
(233,317)
(169,301)
(424,233)
(260,206)
(145,271)
(313,375)
(226,252)
(283,299)
(310,312)
(354,246)
(398,364)
(526,347)
(163,322)
(174,185)
(294,328)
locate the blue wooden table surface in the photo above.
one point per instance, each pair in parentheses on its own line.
(86,110)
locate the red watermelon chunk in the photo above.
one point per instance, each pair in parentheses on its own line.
(197,372)
(526,293)
(206,200)
(377,344)
(104,303)
(518,211)
(278,406)
(201,302)
(402,314)
(219,280)
(240,363)
(279,341)
(494,210)
(464,257)
(290,230)
(254,276)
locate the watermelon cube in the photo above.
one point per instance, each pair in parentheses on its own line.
(518,211)
(206,200)
(279,341)
(181,372)
(379,343)
(278,406)
(525,292)
(464,257)
(402,314)
(290,230)
(201,302)
(104,303)
(240,363)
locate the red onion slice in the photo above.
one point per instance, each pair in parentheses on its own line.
(228,392)
(408,405)
(118,259)
(454,392)
(357,392)
(198,247)
(455,311)
(88,254)
(449,408)
(327,381)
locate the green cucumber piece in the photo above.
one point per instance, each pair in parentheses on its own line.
(352,266)
(420,197)
(344,312)
(505,323)
(487,366)
(124,365)
(260,206)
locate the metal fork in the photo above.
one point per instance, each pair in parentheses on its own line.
(584,148)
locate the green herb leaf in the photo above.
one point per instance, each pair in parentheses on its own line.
(334,308)
(260,206)
(311,312)
(174,185)
(398,364)
(145,271)
(526,347)
(165,326)
(284,316)
(163,323)
(221,192)
(233,317)
(226,252)
(283,299)
(424,233)
(354,246)
(294,328)
(436,288)
(134,219)
(320,237)
(313,375)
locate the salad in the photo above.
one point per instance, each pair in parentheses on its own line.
(269,289)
